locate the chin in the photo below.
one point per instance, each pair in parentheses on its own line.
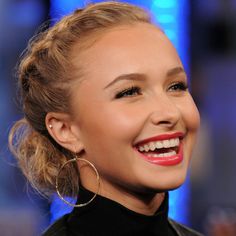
(168,186)
(165,183)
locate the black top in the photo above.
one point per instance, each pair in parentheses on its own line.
(104,217)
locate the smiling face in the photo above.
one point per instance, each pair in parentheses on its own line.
(133,111)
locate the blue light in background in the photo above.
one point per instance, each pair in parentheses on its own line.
(172,17)
(166,4)
(166,16)
(58,208)
(26,13)
(166,19)
(60,8)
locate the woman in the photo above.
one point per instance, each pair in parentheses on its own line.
(106,105)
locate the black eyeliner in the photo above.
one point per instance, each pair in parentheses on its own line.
(127,92)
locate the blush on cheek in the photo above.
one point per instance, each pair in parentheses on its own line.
(191,115)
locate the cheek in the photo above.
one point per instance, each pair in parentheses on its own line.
(110,124)
(190,115)
(108,135)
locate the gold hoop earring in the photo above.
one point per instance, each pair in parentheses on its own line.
(97,178)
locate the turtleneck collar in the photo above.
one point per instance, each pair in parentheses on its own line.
(105,217)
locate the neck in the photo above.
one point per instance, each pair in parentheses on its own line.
(143,203)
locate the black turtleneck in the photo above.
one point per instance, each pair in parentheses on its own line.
(104,217)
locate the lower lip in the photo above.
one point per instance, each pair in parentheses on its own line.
(166,161)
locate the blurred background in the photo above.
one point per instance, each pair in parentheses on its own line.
(204,33)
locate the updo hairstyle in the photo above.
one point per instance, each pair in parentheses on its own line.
(45,76)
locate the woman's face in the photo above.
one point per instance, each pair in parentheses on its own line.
(133,112)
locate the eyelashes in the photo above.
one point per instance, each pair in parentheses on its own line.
(179,86)
(136,90)
(129,92)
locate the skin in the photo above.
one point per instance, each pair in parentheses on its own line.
(106,128)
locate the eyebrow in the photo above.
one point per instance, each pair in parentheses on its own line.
(142,77)
(175,71)
(131,76)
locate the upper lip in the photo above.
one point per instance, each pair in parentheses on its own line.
(161,137)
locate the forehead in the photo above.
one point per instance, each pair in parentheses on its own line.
(127,49)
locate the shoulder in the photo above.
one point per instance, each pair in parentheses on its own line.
(58,228)
(183,230)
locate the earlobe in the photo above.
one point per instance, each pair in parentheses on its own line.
(59,126)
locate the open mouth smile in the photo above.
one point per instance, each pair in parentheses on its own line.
(163,150)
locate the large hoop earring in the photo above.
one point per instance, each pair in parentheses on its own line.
(97,178)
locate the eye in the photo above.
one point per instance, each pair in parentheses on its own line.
(129,92)
(179,86)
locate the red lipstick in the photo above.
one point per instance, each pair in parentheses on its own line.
(164,161)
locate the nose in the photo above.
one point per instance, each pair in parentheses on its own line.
(165,111)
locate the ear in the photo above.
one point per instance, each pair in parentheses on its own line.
(63,131)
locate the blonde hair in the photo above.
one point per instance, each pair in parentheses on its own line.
(45,74)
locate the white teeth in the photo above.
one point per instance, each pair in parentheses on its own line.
(177,142)
(167,154)
(168,143)
(146,148)
(172,142)
(141,149)
(159,145)
(152,146)
(157,155)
